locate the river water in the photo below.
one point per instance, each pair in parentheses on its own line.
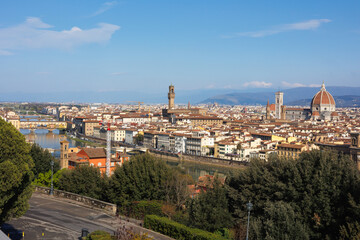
(52,140)
(48,139)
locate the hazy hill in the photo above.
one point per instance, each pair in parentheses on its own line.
(341,101)
(295,96)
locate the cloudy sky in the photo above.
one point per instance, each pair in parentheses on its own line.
(82,45)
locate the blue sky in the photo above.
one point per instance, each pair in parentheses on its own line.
(82,45)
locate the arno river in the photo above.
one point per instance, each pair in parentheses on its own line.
(48,139)
(52,140)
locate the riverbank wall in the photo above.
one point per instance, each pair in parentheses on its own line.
(198,159)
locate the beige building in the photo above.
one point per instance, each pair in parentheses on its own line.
(293,150)
(15,121)
(88,127)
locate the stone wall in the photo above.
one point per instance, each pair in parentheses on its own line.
(91,202)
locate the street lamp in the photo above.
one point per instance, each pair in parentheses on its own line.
(52,173)
(249,206)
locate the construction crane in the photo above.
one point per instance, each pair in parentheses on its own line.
(108,147)
(139,103)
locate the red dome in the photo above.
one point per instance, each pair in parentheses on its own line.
(315,113)
(323,97)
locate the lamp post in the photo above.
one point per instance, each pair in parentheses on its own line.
(249,206)
(52,173)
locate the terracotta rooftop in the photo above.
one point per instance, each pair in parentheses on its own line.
(95,152)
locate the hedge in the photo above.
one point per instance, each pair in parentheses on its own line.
(176,230)
(139,209)
(99,235)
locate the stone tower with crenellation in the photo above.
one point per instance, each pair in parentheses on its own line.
(64,154)
(171,97)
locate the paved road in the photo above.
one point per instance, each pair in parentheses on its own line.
(51,218)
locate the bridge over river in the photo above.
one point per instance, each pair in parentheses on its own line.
(50,125)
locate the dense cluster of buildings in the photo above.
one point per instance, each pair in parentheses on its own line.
(236,133)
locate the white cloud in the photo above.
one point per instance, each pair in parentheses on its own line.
(34,33)
(258,84)
(294,85)
(210,86)
(106,6)
(5,53)
(306,25)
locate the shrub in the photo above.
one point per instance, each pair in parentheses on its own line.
(176,230)
(99,235)
(139,209)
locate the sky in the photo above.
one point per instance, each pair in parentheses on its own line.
(144,46)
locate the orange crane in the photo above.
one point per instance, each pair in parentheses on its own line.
(138,103)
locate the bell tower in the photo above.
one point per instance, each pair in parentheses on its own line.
(171,96)
(279,100)
(267,117)
(64,154)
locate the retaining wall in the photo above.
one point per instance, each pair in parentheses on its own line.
(91,202)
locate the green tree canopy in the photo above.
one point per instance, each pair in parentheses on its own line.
(145,177)
(42,159)
(320,191)
(84,180)
(15,172)
(209,210)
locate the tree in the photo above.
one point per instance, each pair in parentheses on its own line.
(146,177)
(42,159)
(279,222)
(209,211)
(318,187)
(44,179)
(139,138)
(176,187)
(84,180)
(15,172)
(141,178)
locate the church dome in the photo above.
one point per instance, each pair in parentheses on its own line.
(315,113)
(323,97)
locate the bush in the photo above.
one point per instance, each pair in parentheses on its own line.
(139,209)
(99,235)
(176,230)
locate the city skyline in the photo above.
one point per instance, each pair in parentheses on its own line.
(116,45)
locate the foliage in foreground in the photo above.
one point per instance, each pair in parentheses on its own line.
(84,180)
(209,210)
(309,198)
(44,179)
(139,209)
(15,172)
(147,178)
(42,160)
(176,230)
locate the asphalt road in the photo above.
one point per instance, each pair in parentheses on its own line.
(55,218)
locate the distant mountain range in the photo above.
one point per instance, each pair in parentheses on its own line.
(341,101)
(148,97)
(344,96)
(301,96)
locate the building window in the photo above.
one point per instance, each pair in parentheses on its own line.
(91,164)
(99,164)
